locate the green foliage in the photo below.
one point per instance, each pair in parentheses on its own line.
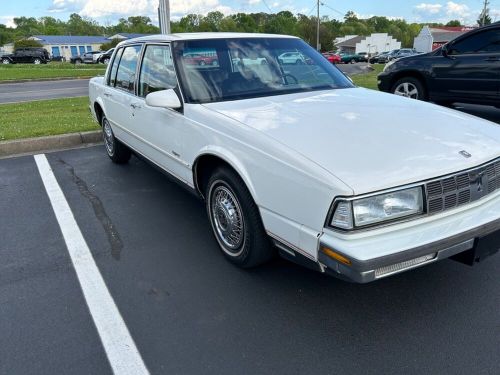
(109,45)
(283,22)
(454,23)
(26,43)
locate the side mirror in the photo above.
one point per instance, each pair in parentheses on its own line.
(445,50)
(164,99)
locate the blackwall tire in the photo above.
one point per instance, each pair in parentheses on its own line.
(235,220)
(117,151)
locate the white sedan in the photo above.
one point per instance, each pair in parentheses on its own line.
(351,182)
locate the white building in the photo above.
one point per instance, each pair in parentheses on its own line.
(373,44)
(431,38)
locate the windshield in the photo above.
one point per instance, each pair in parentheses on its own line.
(213,70)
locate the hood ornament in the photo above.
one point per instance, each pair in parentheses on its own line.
(465,154)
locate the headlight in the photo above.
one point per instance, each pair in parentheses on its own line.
(378,208)
(389,64)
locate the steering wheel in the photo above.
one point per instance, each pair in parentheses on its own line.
(292,77)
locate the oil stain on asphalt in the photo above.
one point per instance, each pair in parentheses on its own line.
(109,228)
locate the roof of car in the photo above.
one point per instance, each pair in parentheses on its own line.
(197,36)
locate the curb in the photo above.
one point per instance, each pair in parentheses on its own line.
(50,143)
(6,82)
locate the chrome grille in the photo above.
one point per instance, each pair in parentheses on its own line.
(462,188)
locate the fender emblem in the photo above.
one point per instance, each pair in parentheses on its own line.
(465,154)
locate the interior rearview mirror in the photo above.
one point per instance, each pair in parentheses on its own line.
(163,99)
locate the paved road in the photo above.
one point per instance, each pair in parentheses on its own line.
(28,91)
(191,312)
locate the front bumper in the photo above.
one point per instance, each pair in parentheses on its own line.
(384,82)
(373,256)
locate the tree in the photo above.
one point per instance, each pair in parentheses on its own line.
(454,23)
(110,44)
(26,43)
(350,16)
(484,16)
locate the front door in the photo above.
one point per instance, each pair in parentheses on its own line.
(471,68)
(160,130)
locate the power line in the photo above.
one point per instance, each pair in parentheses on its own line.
(335,10)
(267,6)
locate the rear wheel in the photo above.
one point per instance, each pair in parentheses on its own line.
(410,87)
(37,61)
(117,151)
(235,220)
(106,61)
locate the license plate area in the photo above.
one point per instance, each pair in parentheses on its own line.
(483,248)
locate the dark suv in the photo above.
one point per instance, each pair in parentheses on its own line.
(465,70)
(28,55)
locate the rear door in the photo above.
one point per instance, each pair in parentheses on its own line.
(470,69)
(120,93)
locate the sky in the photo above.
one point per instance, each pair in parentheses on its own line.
(109,11)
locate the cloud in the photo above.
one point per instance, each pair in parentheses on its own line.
(444,12)
(8,21)
(59,6)
(121,8)
(457,10)
(424,8)
(254,2)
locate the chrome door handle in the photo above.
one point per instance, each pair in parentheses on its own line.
(107,94)
(492,59)
(135,106)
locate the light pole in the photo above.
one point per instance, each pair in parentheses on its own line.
(164,16)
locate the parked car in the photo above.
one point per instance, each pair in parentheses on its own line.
(363,56)
(292,57)
(351,58)
(200,59)
(403,52)
(333,58)
(381,58)
(464,70)
(86,58)
(284,156)
(27,55)
(105,57)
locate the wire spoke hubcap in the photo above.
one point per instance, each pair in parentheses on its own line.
(108,137)
(227,218)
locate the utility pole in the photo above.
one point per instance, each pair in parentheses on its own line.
(485,12)
(318,47)
(164,16)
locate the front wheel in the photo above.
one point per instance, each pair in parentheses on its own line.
(409,87)
(5,61)
(106,61)
(117,151)
(37,61)
(235,220)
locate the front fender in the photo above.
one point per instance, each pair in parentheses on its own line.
(230,159)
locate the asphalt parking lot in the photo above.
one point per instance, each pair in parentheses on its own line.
(189,311)
(28,91)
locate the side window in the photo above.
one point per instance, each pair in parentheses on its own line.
(157,70)
(125,76)
(483,42)
(114,68)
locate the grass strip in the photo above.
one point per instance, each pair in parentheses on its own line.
(45,117)
(52,70)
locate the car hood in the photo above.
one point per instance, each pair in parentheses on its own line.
(370,140)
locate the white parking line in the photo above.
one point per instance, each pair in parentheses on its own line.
(119,346)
